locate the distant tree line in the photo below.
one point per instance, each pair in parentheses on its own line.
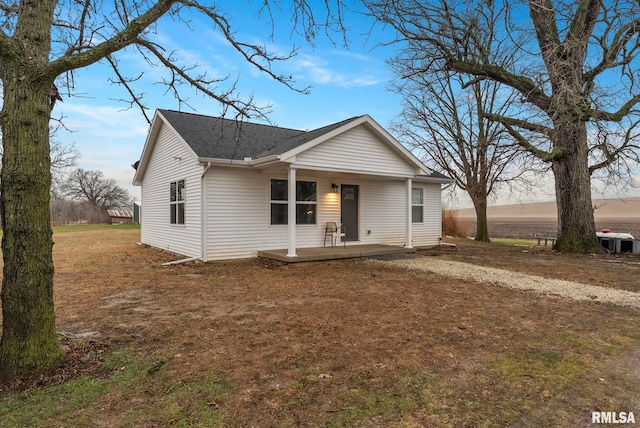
(79,195)
(84,196)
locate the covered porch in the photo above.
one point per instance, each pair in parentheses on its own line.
(334,253)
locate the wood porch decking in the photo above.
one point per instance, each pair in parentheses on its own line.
(334,253)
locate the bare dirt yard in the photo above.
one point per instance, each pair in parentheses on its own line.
(338,343)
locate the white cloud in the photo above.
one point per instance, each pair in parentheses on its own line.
(109,139)
(315,70)
(103,120)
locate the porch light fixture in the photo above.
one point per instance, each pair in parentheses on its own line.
(334,187)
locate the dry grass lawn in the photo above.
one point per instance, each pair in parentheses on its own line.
(341,343)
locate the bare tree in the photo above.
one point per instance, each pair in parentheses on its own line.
(43,42)
(444,117)
(576,67)
(92,187)
(63,157)
(448,126)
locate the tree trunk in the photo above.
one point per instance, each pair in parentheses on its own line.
(29,341)
(576,225)
(482,227)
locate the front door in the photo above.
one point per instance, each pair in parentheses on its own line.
(349,211)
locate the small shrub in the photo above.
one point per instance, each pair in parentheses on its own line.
(453,226)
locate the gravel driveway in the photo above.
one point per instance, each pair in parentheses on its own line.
(520,281)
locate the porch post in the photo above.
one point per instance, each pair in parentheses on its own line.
(292,213)
(409,220)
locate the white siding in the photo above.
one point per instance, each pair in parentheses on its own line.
(356,150)
(430,231)
(238,213)
(171,160)
(383,212)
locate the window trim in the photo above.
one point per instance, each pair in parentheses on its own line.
(285,202)
(177,199)
(417,205)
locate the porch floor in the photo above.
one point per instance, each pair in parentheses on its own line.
(334,253)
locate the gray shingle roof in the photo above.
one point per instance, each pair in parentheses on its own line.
(435,174)
(218,138)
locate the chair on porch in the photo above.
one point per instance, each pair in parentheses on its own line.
(333,232)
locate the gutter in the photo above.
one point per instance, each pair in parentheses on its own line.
(423,179)
(250,162)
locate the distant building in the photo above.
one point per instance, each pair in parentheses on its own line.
(137,212)
(120,216)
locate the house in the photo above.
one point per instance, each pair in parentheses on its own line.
(217,189)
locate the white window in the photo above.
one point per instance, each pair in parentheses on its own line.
(306,202)
(417,205)
(176,202)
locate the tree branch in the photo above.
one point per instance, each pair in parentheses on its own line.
(618,115)
(614,154)
(135,99)
(622,37)
(251,53)
(581,28)
(126,37)
(509,124)
(544,20)
(543,155)
(521,123)
(242,108)
(524,85)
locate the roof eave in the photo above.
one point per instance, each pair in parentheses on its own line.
(439,180)
(247,162)
(152,137)
(147,149)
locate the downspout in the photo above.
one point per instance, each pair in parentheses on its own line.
(203,213)
(176,262)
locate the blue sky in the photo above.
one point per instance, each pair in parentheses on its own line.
(344,82)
